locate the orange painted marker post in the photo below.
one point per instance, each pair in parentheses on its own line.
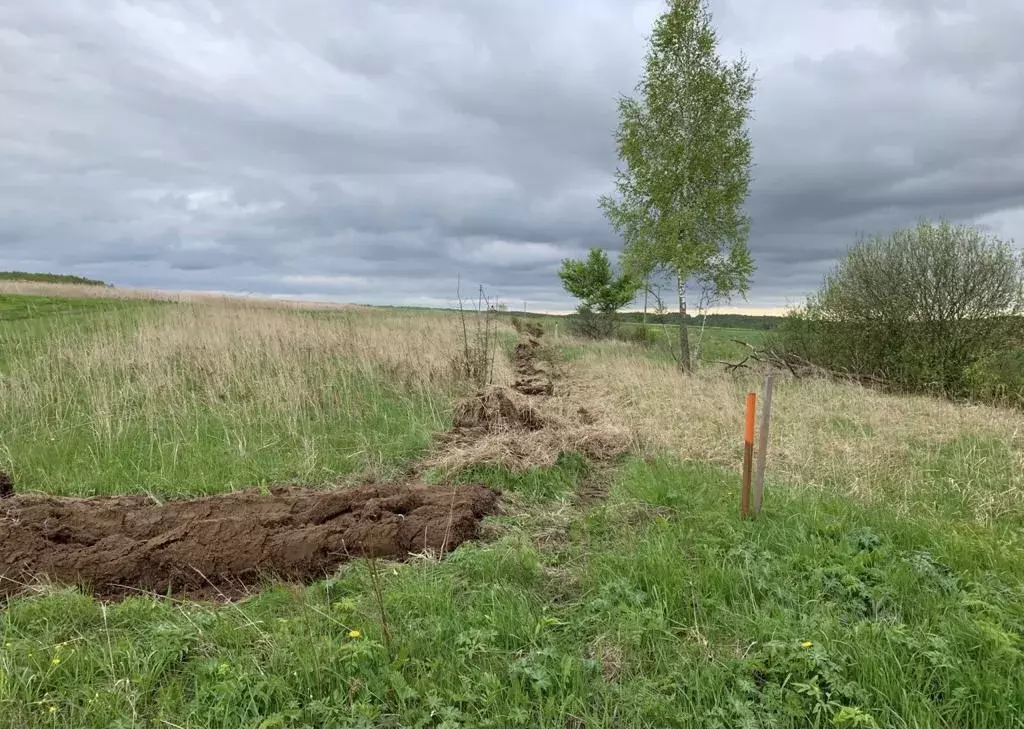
(748,454)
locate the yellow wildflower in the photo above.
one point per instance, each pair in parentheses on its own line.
(354,634)
(53,709)
(807,644)
(55,661)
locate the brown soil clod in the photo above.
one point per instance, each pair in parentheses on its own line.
(531,329)
(6,485)
(533,377)
(495,409)
(498,409)
(534,385)
(224,545)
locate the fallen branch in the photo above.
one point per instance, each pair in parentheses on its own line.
(798,366)
(733,366)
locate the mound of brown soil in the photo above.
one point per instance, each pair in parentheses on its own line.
(495,409)
(533,376)
(224,545)
(529,328)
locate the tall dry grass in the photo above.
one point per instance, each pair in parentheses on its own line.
(176,357)
(153,393)
(907,451)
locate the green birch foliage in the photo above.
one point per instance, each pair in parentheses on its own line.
(687,155)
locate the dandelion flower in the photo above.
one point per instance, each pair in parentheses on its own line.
(807,644)
(354,634)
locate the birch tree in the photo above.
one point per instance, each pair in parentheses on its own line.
(687,155)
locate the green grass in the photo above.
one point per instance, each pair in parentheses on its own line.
(96,427)
(29,323)
(659,608)
(15,307)
(656,607)
(370,428)
(716,343)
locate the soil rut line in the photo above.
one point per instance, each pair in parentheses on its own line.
(526,424)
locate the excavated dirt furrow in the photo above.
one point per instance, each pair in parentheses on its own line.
(221,546)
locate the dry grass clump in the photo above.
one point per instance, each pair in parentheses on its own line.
(518,450)
(826,435)
(495,409)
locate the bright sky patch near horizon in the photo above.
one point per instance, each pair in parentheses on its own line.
(375,152)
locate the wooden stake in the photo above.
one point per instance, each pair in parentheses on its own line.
(748,454)
(762,444)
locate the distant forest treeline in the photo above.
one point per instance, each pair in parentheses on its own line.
(61,278)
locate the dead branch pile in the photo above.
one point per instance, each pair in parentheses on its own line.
(795,365)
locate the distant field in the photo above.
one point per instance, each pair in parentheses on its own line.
(882,586)
(715,343)
(14,307)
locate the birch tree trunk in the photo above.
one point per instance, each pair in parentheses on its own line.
(684,337)
(647,288)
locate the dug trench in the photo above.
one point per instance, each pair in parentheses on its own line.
(520,426)
(225,546)
(532,423)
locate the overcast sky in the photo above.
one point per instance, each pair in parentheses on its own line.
(374,150)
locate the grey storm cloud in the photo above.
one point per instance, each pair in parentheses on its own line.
(378,151)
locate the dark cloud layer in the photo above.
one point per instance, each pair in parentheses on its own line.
(377,151)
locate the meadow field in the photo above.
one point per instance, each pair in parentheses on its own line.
(614,586)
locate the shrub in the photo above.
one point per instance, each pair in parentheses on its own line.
(478,341)
(640,334)
(600,291)
(920,309)
(999,377)
(592,324)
